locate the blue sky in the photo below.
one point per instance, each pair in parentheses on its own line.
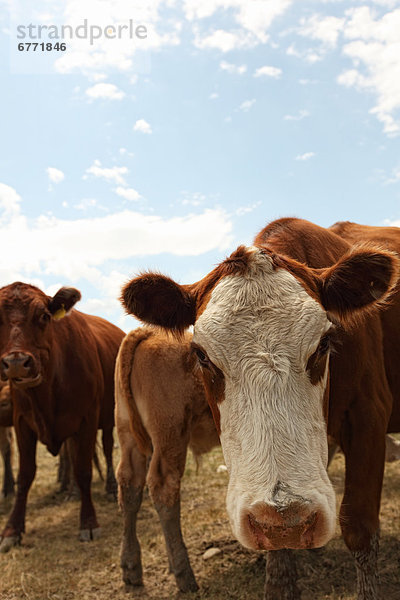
(168,152)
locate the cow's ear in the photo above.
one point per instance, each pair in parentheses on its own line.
(361,280)
(63,301)
(158,300)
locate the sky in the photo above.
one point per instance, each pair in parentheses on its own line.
(168,142)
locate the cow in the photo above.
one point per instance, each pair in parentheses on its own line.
(160,411)
(6,440)
(60,365)
(265,321)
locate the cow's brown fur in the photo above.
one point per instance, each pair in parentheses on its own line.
(6,439)
(75,357)
(160,410)
(364,388)
(6,451)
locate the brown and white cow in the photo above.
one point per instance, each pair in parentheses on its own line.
(61,368)
(264,323)
(160,410)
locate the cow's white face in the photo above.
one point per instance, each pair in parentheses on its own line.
(260,329)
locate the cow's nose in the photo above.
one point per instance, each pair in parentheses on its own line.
(291,526)
(288,515)
(16,365)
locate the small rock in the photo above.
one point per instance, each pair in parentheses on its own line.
(211,552)
(222,469)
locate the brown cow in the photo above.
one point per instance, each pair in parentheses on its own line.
(160,410)
(61,370)
(264,321)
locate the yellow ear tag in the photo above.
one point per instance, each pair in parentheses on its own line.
(60,313)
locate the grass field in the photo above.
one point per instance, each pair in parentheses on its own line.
(53,564)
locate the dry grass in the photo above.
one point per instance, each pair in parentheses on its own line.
(52,564)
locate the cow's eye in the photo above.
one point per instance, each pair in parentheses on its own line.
(324,345)
(202,358)
(44,318)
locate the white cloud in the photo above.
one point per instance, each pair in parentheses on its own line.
(374,49)
(302,114)
(252,18)
(9,201)
(309,55)
(114,174)
(243,210)
(395,176)
(56,246)
(371,41)
(121,52)
(251,23)
(55,175)
(86,203)
(305,156)
(98,76)
(223,40)
(268,71)
(193,199)
(142,126)
(322,28)
(247,105)
(127,193)
(231,68)
(106,91)
(213,96)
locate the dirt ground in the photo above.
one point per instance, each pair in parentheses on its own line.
(52,564)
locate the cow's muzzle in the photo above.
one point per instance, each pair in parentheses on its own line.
(293,525)
(20,368)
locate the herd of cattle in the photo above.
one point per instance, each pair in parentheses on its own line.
(296,340)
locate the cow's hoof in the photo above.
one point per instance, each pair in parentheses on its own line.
(289,593)
(132,577)
(189,587)
(187,583)
(87,535)
(9,542)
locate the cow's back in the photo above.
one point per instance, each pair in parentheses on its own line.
(386,238)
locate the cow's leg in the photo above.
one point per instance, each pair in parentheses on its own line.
(81,447)
(164,479)
(281,576)
(26,439)
(66,471)
(6,451)
(64,468)
(359,512)
(108,444)
(131,475)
